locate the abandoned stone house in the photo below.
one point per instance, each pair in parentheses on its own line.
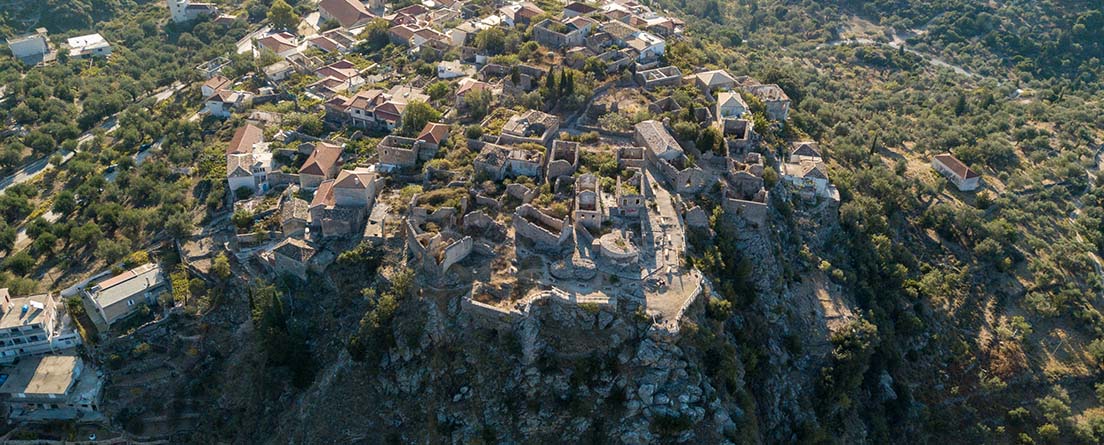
(437,252)
(563,159)
(293,257)
(397,151)
(498,162)
(630,193)
(665,153)
(531,126)
(544,231)
(742,192)
(773,97)
(588,202)
(565,33)
(659,77)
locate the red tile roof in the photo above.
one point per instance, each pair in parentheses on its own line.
(244,139)
(322,160)
(347,12)
(956,166)
(217,82)
(434,133)
(324,195)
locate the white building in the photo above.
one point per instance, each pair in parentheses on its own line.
(92,45)
(963,177)
(33,325)
(650,46)
(451,69)
(225,102)
(30,45)
(187,10)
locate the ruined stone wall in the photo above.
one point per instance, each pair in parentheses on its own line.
(455,253)
(522,192)
(278,179)
(754,212)
(536,233)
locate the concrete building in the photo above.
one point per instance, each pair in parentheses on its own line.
(121,295)
(33,325)
(53,387)
(30,47)
(963,177)
(183,11)
(92,45)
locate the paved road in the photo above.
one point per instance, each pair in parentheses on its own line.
(245,45)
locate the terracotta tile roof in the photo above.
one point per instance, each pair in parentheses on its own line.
(469,84)
(278,43)
(322,160)
(244,139)
(529,10)
(324,195)
(347,12)
(956,166)
(413,10)
(365,99)
(403,32)
(217,82)
(581,8)
(805,149)
(434,133)
(325,43)
(390,111)
(336,72)
(354,179)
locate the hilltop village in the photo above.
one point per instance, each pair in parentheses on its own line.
(583,170)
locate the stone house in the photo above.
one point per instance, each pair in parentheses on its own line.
(774,98)
(531,126)
(563,159)
(292,256)
(545,231)
(657,77)
(323,163)
(588,201)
